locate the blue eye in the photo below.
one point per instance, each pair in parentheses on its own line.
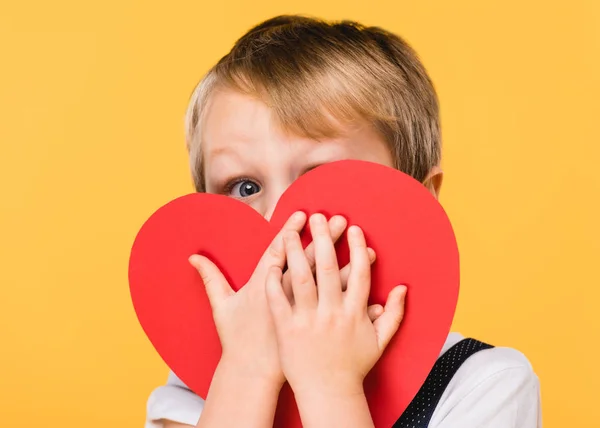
(244,189)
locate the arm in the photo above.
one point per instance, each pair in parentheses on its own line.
(233,397)
(328,410)
(236,399)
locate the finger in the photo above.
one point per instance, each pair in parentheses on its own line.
(217,287)
(345,271)
(387,324)
(275,253)
(359,279)
(278,302)
(337,225)
(303,284)
(329,284)
(286,284)
(374,312)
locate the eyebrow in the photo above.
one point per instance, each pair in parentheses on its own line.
(223,150)
(220,150)
(226,150)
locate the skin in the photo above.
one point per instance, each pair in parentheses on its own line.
(310,326)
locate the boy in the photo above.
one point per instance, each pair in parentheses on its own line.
(294,93)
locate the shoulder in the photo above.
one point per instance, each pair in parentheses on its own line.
(490,362)
(498,384)
(173,401)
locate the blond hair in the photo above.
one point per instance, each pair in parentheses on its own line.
(309,71)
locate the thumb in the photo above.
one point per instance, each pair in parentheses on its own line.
(387,324)
(217,287)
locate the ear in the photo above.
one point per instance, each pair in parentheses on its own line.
(433,181)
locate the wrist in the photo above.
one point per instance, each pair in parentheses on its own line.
(247,375)
(239,398)
(340,388)
(334,408)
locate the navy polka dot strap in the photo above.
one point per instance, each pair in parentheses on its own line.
(419,411)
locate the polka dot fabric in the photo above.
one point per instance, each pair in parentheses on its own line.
(419,411)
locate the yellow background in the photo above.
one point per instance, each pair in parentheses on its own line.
(92,100)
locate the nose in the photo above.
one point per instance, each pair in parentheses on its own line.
(270,209)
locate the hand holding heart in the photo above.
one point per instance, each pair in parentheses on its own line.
(327,343)
(243,319)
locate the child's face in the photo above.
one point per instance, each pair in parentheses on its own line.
(248,158)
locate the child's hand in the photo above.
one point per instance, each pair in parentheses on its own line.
(243,320)
(327,343)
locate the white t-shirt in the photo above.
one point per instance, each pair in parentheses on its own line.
(494,388)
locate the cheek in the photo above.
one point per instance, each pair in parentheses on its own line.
(257,205)
(261,203)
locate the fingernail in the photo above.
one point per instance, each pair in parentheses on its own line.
(337,220)
(318,218)
(298,216)
(354,229)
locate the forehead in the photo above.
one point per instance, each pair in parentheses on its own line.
(235,123)
(231,117)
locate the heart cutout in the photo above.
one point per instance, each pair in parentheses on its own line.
(403,223)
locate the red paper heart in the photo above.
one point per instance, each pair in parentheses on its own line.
(403,223)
